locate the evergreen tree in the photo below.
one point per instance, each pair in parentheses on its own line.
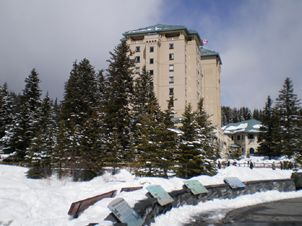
(28,119)
(81,99)
(148,144)
(118,96)
(269,132)
(257,114)
(81,94)
(46,138)
(244,114)
(209,148)
(168,141)
(114,151)
(226,115)
(144,96)
(7,118)
(288,105)
(190,158)
(92,146)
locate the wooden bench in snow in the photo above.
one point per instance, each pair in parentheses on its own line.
(77,207)
(131,188)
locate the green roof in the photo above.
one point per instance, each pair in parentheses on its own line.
(248,126)
(161,28)
(207,52)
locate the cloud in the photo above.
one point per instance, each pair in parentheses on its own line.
(50,35)
(260,52)
(259,41)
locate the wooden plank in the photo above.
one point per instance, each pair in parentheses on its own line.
(77,207)
(131,188)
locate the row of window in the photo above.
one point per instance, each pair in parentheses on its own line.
(138,58)
(171,69)
(138,48)
(249,136)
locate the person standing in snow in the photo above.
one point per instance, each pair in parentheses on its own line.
(251,165)
(219,165)
(273,166)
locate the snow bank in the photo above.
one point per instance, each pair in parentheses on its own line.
(46,202)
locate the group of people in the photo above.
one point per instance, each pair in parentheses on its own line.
(284,165)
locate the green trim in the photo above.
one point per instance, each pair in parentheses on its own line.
(207,52)
(162,28)
(250,126)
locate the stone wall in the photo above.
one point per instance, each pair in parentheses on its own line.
(149,208)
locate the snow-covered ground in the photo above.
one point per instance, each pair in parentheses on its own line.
(30,202)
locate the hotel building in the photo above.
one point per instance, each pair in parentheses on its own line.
(180,67)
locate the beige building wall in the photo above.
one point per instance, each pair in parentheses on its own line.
(211,67)
(247,143)
(177,68)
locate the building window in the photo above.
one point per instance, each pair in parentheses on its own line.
(171,79)
(171,67)
(250,136)
(171,46)
(232,137)
(151,61)
(171,91)
(171,56)
(151,72)
(137,48)
(151,49)
(238,137)
(137,59)
(137,70)
(151,84)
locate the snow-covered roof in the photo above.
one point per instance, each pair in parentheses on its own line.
(248,126)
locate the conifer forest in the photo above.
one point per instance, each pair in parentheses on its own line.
(111,118)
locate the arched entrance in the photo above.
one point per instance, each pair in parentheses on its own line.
(252,151)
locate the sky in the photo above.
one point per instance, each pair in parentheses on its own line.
(259,42)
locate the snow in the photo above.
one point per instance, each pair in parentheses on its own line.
(240,127)
(257,126)
(46,202)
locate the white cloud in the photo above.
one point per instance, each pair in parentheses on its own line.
(260,52)
(51,34)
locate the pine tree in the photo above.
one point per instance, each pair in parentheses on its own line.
(47,135)
(144,96)
(27,122)
(209,148)
(168,141)
(81,99)
(81,94)
(189,157)
(92,146)
(269,132)
(7,118)
(118,96)
(148,144)
(288,105)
